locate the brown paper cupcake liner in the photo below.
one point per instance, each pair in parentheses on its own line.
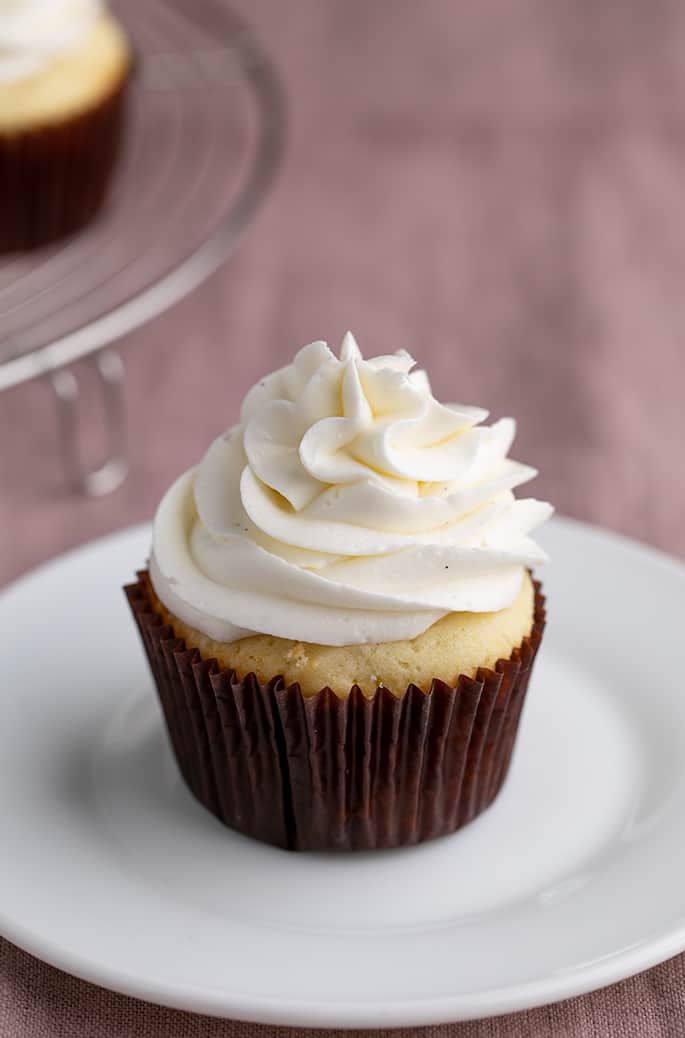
(324,772)
(54,178)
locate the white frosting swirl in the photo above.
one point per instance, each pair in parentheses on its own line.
(33,32)
(348,506)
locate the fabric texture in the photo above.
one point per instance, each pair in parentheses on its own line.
(37,1001)
(497,187)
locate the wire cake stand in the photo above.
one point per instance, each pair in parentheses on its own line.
(203,140)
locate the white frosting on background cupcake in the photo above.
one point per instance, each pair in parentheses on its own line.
(34,32)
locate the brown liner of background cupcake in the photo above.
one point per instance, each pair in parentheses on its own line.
(327,772)
(53,179)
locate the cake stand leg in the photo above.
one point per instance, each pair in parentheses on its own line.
(108,476)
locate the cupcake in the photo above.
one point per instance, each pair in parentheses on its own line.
(64,66)
(338,610)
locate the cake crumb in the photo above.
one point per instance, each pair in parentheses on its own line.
(297,655)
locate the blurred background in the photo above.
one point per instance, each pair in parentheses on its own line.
(496,187)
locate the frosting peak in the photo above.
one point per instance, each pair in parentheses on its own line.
(347,506)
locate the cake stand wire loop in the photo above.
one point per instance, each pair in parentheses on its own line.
(109,368)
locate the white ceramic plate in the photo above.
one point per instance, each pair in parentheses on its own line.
(573,879)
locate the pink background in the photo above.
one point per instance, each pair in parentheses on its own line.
(500,189)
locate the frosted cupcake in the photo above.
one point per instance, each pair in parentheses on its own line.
(64,67)
(338,611)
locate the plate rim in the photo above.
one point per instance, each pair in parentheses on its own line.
(654,949)
(351,1014)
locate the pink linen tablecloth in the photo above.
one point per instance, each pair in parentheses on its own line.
(499,188)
